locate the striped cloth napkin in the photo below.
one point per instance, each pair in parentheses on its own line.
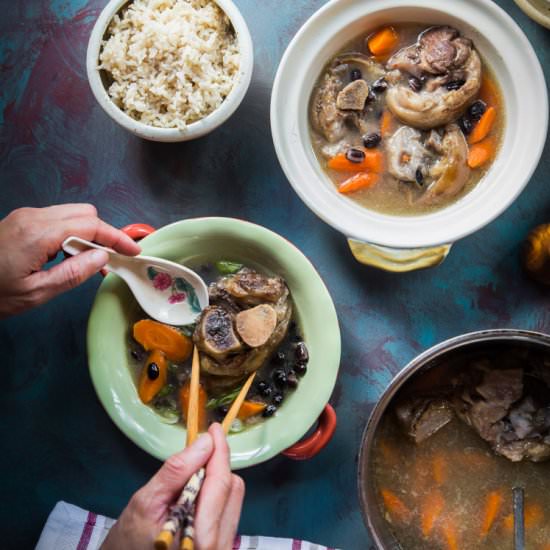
(72,528)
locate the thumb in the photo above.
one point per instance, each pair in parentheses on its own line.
(169,481)
(69,273)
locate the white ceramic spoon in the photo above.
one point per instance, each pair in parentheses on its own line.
(166,291)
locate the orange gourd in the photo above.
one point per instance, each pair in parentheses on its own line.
(250,408)
(148,386)
(157,336)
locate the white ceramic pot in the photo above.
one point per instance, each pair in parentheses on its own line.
(400,243)
(196,129)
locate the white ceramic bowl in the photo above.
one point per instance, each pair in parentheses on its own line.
(196,129)
(537,10)
(407,242)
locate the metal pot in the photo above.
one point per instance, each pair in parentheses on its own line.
(372,516)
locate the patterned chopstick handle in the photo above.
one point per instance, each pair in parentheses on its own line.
(185,506)
(188,531)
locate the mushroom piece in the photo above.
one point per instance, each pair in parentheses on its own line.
(256,325)
(451,171)
(353,96)
(215,334)
(441,57)
(406,154)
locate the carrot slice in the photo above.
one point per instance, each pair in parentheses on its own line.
(203,399)
(396,508)
(250,408)
(386,124)
(493,504)
(154,335)
(373,160)
(481,152)
(533,516)
(383,41)
(450,533)
(149,387)
(431,512)
(362,180)
(484,126)
(439,469)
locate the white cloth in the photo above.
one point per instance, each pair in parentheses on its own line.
(72,528)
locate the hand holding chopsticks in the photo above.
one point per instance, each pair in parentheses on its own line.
(182,515)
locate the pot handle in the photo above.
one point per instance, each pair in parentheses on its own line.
(398,260)
(318,440)
(138,231)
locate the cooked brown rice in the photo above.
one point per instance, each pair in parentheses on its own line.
(172,62)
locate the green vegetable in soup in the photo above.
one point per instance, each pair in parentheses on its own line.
(166,390)
(228,268)
(226,399)
(188,330)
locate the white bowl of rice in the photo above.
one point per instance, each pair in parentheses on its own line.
(170,70)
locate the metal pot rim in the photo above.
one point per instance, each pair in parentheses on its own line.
(447,346)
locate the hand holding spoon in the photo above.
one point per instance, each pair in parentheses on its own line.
(168,292)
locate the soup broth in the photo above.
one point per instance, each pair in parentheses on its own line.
(365,151)
(451,491)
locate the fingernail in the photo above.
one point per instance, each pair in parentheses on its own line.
(99,257)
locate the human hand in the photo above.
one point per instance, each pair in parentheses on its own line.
(30,237)
(218,506)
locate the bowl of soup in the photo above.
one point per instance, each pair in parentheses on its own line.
(407,126)
(456,431)
(269,313)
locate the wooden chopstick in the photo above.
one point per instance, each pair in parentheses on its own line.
(193,408)
(186,542)
(186,502)
(171,526)
(235,407)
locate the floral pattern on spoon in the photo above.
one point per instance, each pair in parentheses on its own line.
(180,290)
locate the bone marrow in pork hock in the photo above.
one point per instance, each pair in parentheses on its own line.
(238,333)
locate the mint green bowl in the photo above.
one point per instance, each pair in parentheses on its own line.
(206,239)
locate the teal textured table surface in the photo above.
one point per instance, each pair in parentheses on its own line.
(57,145)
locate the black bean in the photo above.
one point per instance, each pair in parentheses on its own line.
(415,84)
(300,369)
(136,354)
(380,85)
(371,97)
(477,109)
(355,74)
(269,411)
(301,354)
(419,176)
(153,371)
(278,398)
(279,376)
(221,412)
(466,125)
(455,85)
(372,140)
(262,385)
(355,155)
(279,357)
(267,391)
(291,379)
